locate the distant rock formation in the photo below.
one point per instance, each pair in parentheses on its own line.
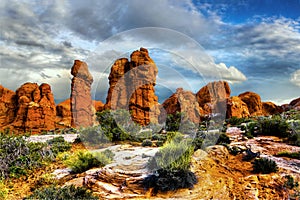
(213,97)
(8,106)
(295,104)
(132,87)
(236,108)
(63,113)
(34,109)
(81,101)
(185,102)
(269,108)
(253,102)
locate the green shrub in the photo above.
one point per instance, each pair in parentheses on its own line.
(173,121)
(173,156)
(166,180)
(290,183)
(95,136)
(84,160)
(62,193)
(171,167)
(147,143)
(235,121)
(58,145)
(264,165)
(223,139)
(17,156)
(295,155)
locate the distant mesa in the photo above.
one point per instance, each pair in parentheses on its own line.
(132,87)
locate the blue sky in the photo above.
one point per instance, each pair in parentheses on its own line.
(254,45)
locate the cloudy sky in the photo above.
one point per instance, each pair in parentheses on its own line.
(254,45)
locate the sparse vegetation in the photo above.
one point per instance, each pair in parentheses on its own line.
(62,193)
(3,190)
(171,167)
(264,165)
(295,155)
(147,143)
(84,160)
(58,145)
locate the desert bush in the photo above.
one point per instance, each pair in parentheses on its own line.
(264,165)
(290,183)
(17,156)
(235,121)
(295,155)
(173,156)
(58,145)
(84,160)
(62,193)
(166,180)
(173,121)
(147,143)
(171,167)
(95,136)
(223,139)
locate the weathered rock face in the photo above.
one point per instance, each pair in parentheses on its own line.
(270,108)
(35,109)
(132,87)
(63,113)
(295,104)
(7,106)
(183,101)
(213,97)
(236,108)
(98,105)
(253,102)
(81,102)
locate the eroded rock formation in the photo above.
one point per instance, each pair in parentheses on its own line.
(132,87)
(236,108)
(183,101)
(7,106)
(212,97)
(81,101)
(253,102)
(270,108)
(295,104)
(34,110)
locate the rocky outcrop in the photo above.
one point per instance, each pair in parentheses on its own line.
(8,106)
(295,104)
(35,110)
(212,97)
(236,108)
(63,113)
(98,105)
(253,102)
(81,102)
(270,108)
(185,102)
(132,87)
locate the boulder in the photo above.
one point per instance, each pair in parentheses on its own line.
(185,102)
(253,102)
(270,108)
(81,101)
(212,97)
(236,108)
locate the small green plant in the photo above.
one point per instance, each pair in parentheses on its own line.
(58,145)
(290,183)
(264,165)
(147,143)
(84,160)
(295,155)
(171,166)
(62,193)
(223,139)
(3,190)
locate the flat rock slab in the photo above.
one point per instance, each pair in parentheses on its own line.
(43,138)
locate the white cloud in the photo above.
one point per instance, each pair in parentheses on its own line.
(295,78)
